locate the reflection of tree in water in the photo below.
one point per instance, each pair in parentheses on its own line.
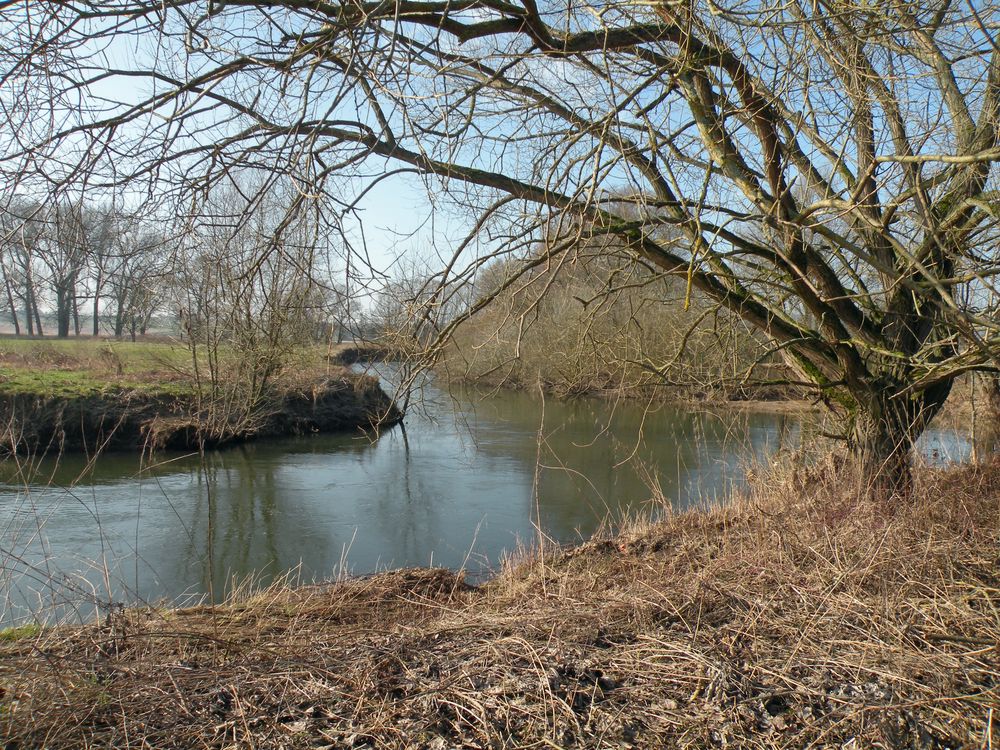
(409,519)
(241,497)
(605,460)
(239,527)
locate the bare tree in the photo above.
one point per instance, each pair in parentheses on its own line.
(136,274)
(828,168)
(63,253)
(104,227)
(23,234)
(245,288)
(10,230)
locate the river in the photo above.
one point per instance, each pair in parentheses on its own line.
(466,480)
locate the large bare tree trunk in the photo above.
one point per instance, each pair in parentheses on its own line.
(882,450)
(32,307)
(63,312)
(991,384)
(75,307)
(38,316)
(62,322)
(884,431)
(29,306)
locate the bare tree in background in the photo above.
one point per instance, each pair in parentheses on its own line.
(105,229)
(828,168)
(68,253)
(245,285)
(23,234)
(11,265)
(136,275)
(62,253)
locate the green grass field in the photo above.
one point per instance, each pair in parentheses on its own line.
(84,367)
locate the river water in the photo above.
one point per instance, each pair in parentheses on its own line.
(467,479)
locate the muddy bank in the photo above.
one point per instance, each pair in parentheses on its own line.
(351,354)
(140,419)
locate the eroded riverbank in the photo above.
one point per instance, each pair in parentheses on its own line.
(94,396)
(150,419)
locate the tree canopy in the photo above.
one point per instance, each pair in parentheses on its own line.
(825,170)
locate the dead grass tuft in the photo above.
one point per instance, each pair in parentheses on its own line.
(798,616)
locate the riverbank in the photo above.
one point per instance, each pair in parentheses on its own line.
(799,615)
(93,396)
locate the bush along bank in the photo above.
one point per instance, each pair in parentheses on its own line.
(148,417)
(800,615)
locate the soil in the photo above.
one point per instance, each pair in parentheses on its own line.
(350,354)
(133,419)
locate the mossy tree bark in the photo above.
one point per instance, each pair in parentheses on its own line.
(883,430)
(991,383)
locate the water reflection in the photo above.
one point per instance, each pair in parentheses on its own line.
(461,483)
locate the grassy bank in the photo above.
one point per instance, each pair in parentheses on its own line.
(795,617)
(85,366)
(93,395)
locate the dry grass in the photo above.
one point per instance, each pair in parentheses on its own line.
(796,617)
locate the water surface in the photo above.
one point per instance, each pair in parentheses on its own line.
(464,481)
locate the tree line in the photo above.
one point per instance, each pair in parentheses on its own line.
(79,260)
(99,270)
